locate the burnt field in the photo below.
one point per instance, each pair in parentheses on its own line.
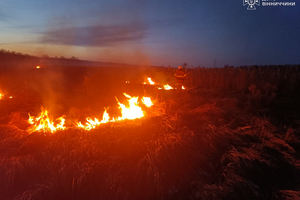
(233,133)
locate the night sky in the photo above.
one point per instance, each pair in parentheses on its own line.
(153,32)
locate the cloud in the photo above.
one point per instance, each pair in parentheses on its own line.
(97,35)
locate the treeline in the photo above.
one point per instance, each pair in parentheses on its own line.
(10,59)
(16,59)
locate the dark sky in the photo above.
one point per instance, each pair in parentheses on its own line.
(154,32)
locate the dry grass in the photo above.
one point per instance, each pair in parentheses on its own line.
(195,149)
(198,144)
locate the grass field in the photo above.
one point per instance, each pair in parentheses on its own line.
(232,134)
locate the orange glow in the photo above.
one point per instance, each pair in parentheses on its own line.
(2,96)
(150,81)
(147,101)
(132,111)
(44,123)
(129,110)
(165,87)
(168,87)
(38,67)
(183,87)
(93,123)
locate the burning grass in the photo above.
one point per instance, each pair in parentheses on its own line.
(129,111)
(197,148)
(192,144)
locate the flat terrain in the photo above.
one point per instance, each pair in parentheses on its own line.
(232,134)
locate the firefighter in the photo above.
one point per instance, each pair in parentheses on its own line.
(179,76)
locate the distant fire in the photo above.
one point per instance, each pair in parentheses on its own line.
(150,81)
(2,96)
(44,123)
(38,67)
(168,87)
(164,87)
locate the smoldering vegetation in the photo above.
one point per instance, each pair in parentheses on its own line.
(219,139)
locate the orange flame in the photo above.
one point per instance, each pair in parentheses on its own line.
(168,87)
(93,123)
(130,111)
(150,81)
(44,123)
(2,96)
(133,111)
(147,101)
(38,67)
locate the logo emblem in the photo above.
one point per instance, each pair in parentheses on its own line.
(251,4)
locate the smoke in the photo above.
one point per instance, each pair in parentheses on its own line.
(49,85)
(97,35)
(115,34)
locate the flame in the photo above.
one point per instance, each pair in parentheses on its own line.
(130,110)
(38,67)
(165,87)
(133,111)
(150,81)
(90,124)
(147,101)
(93,123)
(168,87)
(2,96)
(44,123)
